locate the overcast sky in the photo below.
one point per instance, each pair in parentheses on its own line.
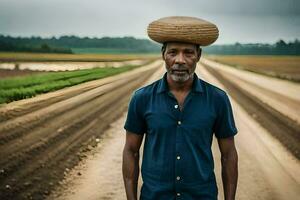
(238,20)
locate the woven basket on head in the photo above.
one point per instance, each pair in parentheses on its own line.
(183,29)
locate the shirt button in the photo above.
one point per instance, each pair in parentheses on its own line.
(178,178)
(178,194)
(178,157)
(176,106)
(179,122)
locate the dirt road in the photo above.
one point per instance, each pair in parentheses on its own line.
(267,169)
(274,103)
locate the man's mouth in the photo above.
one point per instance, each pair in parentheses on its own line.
(180,71)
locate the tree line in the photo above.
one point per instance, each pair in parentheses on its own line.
(279,48)
(65,44)
(18,44)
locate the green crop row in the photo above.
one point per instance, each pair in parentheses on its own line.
(12,89)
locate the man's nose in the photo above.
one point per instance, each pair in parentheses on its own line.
(180,59)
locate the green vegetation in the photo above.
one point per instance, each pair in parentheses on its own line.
(15,46)
(12,89)
(129,45)
(279,48)
(66,44)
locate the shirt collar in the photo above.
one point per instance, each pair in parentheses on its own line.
(163,84)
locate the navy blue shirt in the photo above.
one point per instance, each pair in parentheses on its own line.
(177,158)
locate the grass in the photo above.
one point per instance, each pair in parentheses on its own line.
(284,67)
(51,57)
(17,88)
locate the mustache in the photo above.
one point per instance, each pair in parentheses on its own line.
(179,67)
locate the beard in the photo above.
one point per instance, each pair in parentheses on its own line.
(180,73)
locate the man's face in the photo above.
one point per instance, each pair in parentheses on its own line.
(181,60)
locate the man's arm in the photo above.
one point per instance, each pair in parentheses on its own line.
(229,160)
(130,165)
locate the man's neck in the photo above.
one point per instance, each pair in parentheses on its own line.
(180,87)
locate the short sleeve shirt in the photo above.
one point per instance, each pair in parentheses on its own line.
(177,157)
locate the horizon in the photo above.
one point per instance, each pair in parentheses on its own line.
(81,37)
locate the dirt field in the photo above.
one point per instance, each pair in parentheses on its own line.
(264,102)
(286,67)
(4,73)
(69,66)
(51,57)
(41,139)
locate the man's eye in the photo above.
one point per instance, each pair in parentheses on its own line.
(172,52)
(189,53)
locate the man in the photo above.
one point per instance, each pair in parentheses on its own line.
(178,115)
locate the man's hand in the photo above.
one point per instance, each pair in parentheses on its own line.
(229,160)
(130,165)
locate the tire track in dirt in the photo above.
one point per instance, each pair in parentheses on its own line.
(100,173)
(267,170)
(35,160)
(285,130)
(25,106)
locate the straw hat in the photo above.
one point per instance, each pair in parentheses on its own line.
(183,29)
